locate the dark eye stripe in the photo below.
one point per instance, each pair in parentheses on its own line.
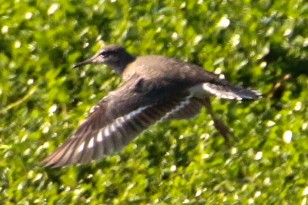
(107,53)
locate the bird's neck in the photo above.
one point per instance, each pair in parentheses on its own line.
(120,66)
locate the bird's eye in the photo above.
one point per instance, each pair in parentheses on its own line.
(106,54)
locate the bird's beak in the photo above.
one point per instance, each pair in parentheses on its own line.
(88,61)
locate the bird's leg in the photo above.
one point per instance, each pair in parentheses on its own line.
(219,125)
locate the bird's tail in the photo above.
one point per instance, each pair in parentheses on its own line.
(229,91)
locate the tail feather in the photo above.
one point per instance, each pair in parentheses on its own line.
(229,91)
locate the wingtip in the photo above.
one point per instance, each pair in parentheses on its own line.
(48,163)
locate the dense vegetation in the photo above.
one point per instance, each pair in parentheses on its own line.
(259,44)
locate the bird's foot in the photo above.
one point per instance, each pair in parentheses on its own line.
(223,130)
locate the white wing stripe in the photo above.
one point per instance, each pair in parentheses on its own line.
(177,108)
(91,143)
(99,137)
(110,129)
(81,147)
(113,128)
(107,133)
(134,113)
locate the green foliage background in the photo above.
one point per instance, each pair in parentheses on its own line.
(259,44)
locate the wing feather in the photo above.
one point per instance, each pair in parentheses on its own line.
(114,123)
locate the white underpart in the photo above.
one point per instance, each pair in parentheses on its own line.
(108,130)
(224,94)
(177,108)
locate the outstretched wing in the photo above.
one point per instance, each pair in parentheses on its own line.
(115,121)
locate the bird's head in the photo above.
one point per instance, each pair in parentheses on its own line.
(112,55)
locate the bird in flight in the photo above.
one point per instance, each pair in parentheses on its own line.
(155,89)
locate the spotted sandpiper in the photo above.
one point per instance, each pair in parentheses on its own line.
(155,88)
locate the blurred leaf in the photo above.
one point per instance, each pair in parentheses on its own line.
(258,44)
